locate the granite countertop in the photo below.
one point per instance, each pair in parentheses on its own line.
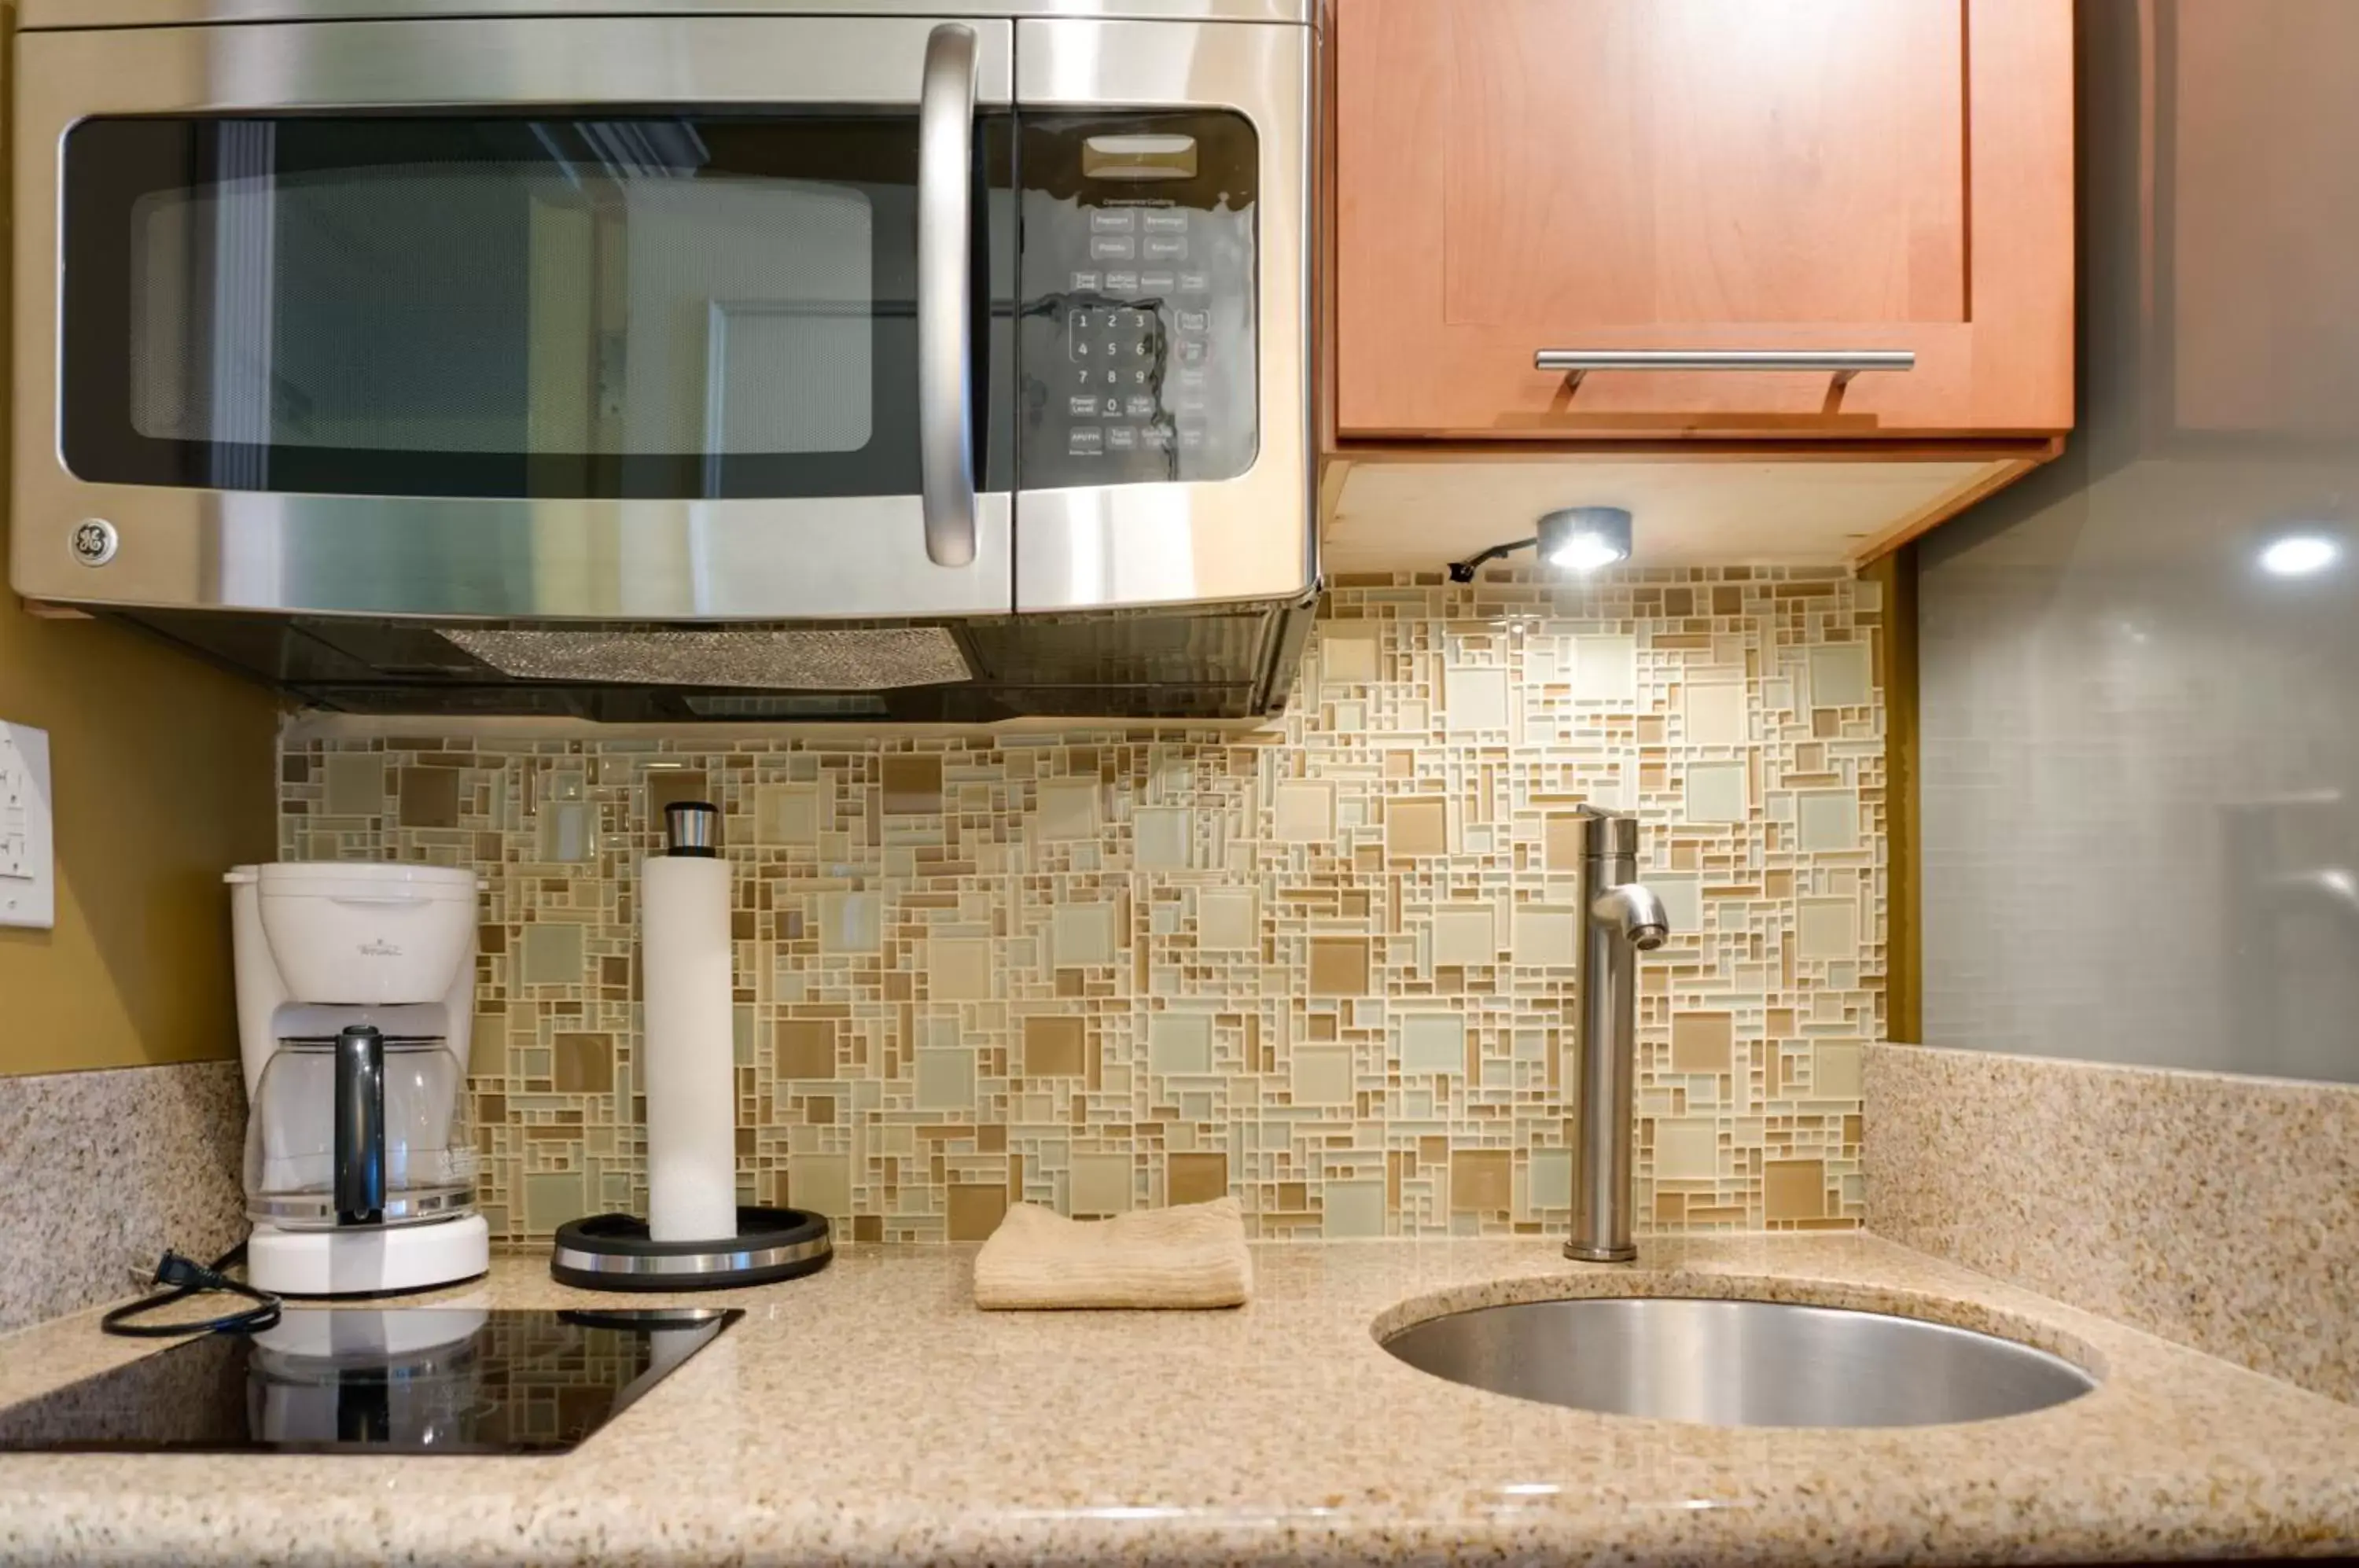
(870,1413)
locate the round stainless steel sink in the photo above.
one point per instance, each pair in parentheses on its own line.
(1740,1363)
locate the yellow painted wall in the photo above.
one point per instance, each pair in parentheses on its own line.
(163,771)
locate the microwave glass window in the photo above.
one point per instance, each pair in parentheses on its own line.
(627,307)
(1139,360)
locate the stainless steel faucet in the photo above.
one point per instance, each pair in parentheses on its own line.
(1622,918)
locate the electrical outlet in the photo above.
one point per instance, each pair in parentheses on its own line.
(28,879)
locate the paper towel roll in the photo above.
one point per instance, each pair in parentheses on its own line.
(689,1062)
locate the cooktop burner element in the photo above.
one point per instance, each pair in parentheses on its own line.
(398,1381)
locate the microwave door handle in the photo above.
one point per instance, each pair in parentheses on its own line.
(945,324)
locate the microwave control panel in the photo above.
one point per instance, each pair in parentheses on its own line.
(1137,342)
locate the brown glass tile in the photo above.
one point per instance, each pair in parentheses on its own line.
(1339,966)
(429,798)
(672,786)
(867,1227)
(976,1210)
(1482,1181)
(1195,1177)
(820,1110)
(1055,1046)
(1794,1189)
(913,785)
(807,1048)
(991,1138)
(584,1063)
(1701,1042)
(1670,1209)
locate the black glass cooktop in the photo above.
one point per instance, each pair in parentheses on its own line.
(395,1380)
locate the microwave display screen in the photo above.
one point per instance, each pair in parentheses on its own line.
(631,305)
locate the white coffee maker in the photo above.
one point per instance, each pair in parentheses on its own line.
(356,1005)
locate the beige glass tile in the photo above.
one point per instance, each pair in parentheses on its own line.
(1682,900)
(1546,937)
(1433,1043)
(1465,937)
(820,1183)
(945,1080)
(1179,1044)
(1794,1190)
(1351,1211)
(1827,929)
(1322,1075)
(355,785)
(566,832)
(675,786)
(1703,1042)
(1835,1069)
(1227,917)
(1482,1180)
(1686,1148)
(1474,701)
(1840,676)
(1715,792)
(1347,654)
(1082,935)
(1714,714)
(1067,810)
(1100,1185)
(787,816)
(1826,820)
(851,922)
(1416,826)
(959,968)
(1550,1179)
(1304,812)
(1163,837)
(553,1198)
(1605,670)
(552,954)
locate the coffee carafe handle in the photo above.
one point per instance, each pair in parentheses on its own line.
(359,1126)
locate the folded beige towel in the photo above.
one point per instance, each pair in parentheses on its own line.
(1193,1256)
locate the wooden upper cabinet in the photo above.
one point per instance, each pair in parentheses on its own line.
(1514,176)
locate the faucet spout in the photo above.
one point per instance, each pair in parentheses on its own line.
(1633,910)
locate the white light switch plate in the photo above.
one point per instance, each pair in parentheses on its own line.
(28,872)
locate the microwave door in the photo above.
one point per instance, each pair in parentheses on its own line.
(604,318)
(1164,449)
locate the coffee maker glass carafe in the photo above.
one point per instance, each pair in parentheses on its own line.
(359,1129)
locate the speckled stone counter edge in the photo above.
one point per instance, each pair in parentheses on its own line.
(2217,1211)
(98,1167)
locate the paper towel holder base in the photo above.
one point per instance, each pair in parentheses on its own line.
(614,1252)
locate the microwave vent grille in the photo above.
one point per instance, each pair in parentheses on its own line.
(820,658)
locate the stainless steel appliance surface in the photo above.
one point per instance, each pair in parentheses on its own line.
(363,1380)
(1733,1363)
(890,349)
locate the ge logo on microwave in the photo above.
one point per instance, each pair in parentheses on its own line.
(94,541)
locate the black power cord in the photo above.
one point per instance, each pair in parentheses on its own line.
(184,1277)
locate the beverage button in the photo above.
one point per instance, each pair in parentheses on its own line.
(1082,406)
(1138,407)
(1165,247)
(1195,320)
(1120,221)
(1088,282)
(1195,283)
(1157,282)
(1166,220)
(1122,438)
(1084,440)
(1123,283)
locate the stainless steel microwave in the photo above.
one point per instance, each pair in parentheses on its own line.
(553,318)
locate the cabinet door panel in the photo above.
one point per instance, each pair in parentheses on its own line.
(1518,175)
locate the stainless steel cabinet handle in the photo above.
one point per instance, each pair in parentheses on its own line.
(945,327)
(1843,363)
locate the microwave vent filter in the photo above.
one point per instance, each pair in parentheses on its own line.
(820,658)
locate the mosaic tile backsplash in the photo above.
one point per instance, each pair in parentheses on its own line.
(1328,967)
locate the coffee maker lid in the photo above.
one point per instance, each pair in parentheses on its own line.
(361,878)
